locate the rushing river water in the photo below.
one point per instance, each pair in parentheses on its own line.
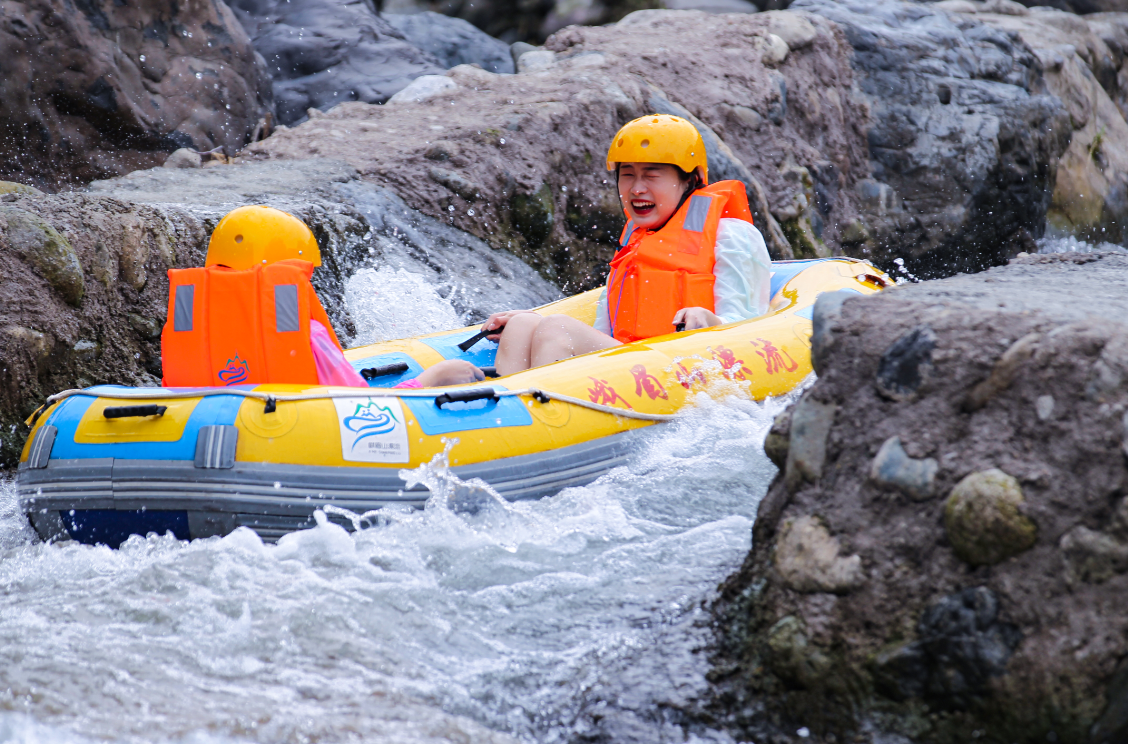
(575,618)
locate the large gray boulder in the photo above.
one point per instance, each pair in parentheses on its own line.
(964,136)
(1084,60)
(323,52)
(99,89)
(452,41)
(946,548)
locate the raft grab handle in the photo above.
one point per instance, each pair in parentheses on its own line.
(114,412)
(395,368)
(465,396)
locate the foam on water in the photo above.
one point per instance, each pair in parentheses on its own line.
(1070,244)
(544,621)
(389,303)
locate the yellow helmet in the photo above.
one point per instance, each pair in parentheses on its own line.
(659,138)
(251,236)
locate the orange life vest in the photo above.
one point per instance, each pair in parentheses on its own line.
(228,327)
(655,274)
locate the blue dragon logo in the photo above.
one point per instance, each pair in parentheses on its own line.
(370,420)
(235,372)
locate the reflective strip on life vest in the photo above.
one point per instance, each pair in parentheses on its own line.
(697,213)
(185,301)
(286,308)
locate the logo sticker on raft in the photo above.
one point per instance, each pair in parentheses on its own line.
(372,430)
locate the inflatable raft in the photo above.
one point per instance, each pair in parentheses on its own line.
(108,462)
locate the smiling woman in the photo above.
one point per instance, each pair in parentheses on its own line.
(690,255)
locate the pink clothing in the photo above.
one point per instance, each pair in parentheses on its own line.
(332,367)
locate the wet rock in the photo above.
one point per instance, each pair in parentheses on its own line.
(961,645)
(1004,372)
(1044,405)
(101,89)
(808,560)
(1093,556)
(41,245)
(1016,649)
(906,364)
(893,468)
(456,183)
(1084,64)
(931,77)
(33,341)
(984,520)
(539,59)
(134,254)
(453,41)
(827,314)
(793,656)
(183,158)
(422,88)
(85,350)
(806,452)
(778,440)
(324,52)
(147,327)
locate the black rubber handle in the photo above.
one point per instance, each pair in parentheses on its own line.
(465,345)
(113,412)
(395,368)
(465,396)
(489,371)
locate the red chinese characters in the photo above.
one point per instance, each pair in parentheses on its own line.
(601,392)
(734,368)
(647,383)
(687,379)
(774,357)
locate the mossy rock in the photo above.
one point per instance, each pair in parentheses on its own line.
(11,187)
(802,238)
(44,248)
(533,215)
(984,521)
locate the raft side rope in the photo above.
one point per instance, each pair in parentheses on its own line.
(270,399)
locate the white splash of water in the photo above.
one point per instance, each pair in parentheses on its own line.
(388,303)
(1070,244)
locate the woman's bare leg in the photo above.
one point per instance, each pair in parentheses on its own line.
(515,344)
(559,337)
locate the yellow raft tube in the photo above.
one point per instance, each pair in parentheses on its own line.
(104,463)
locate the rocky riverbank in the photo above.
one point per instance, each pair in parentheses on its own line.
(944,554)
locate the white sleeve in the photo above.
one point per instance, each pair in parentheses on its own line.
(743,270)
(602,314)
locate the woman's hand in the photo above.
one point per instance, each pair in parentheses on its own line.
(450,372)
(497,321)
(696,317)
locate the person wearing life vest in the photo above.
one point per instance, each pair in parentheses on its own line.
(689,254)
(251,316)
